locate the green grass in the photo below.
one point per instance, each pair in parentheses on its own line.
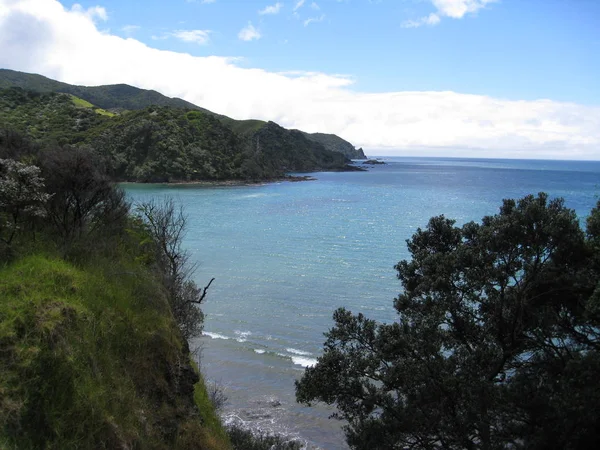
(85,361)
(81,103)
(210,419)
(243,127)
(103,112)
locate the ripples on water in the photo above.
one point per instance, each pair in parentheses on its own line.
(286,255)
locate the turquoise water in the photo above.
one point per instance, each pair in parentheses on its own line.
(286,255)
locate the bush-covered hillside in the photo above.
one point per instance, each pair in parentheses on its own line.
(165,144)
(115,96)
(337,144)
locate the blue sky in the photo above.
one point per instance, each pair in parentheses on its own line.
(493,78)
(514,49)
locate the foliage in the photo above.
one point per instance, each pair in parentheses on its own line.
(166,224)
(84,201)
(242,127)
(210,418)
(243,439)
(336,144)
(90,354)
(495,346)
(116,96)
(276,150)
(22,197)
(163,139)
(51,118)
(89,358)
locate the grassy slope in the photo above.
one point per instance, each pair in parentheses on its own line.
(81,103)
(243,127)
(89,360)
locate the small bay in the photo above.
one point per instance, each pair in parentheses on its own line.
(286,255)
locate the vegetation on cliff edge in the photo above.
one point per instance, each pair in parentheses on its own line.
(92,350)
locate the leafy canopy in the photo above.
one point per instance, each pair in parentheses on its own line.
(495,345)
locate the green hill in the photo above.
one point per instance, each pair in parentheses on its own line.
(116,96)
(121,97)
(336,144)
(166,144)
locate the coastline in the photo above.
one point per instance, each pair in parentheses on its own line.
(222,183)
(230,182)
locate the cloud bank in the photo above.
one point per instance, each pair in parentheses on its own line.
(41,36)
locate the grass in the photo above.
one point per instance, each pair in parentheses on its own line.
(81,103)
(86,360)
(104,112)
(243,439)
(210,419)
(243,127)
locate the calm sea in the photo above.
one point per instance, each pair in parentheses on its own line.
(286,255)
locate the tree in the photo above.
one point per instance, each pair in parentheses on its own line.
(84,200)
(22,196)
(496,344)
(166,225)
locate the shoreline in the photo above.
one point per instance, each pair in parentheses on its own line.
(218,183)
(232,183)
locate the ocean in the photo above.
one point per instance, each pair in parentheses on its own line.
(285,255)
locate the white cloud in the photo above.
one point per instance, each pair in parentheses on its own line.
(455,9)
(130,29)
(314,6)
(298,5)
(431,19)
(92,12)
(249,33)
(272,9)
(200,37)
(310,20)
(41,36)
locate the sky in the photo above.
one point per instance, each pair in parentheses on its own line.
(463,78)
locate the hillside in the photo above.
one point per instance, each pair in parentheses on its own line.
(92,360)
(166,144)
(336,144)
(116,96)
(94,313)
(120,97)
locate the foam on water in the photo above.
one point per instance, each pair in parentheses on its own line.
(297,352)
(242,335)
(304,362)
(214,335)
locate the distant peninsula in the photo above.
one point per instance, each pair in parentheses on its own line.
(144,136)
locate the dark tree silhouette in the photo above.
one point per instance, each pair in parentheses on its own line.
(495,346)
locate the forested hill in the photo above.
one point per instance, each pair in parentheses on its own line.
(337,144)
(114,96)
(163,143)
(120,97)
